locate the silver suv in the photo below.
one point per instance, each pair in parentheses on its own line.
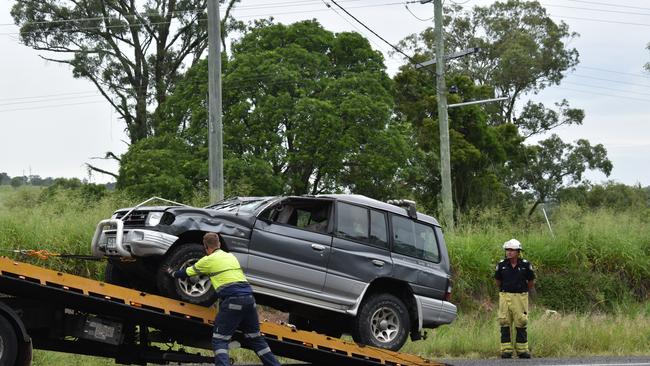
(337,263)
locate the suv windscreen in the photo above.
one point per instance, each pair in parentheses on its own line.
(361,224)
(414,239)
(238,205)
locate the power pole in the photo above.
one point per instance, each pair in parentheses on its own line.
(443,123)
(215,138)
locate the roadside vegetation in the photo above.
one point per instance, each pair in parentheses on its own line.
(593,270)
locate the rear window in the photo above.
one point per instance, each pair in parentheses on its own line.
(414,239)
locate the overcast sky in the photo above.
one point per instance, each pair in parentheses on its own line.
(52,124)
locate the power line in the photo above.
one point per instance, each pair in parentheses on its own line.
(351,24)
(596,10)
(415,16)
(608,4)
(48,106)
(613,71)
(199,20)
(605,94)
(599,20)
(47,96)
(606,88)
(127,16)
(375,33)
(50,99)
(610,80)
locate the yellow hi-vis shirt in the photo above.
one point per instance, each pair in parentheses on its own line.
(222,267)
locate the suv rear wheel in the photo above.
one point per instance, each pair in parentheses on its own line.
(195,289)
(383,321)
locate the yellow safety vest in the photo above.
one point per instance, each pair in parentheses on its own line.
(223,268)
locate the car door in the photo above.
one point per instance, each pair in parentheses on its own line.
(359,252)
(284,253)
(417,257)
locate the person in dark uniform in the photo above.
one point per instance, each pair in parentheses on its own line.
(515,278)
(237,309)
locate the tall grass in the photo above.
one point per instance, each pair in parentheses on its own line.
(594,270)
(626,332)
(64,223)
(592,260)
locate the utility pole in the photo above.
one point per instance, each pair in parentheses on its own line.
(443,123)
(215,136)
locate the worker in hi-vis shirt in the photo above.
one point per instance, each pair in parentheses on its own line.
(237,309)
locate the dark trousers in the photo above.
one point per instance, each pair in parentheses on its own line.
(239,312)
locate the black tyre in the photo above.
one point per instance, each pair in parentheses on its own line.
(383,321)
(114,275)
(8,343)
(196,289)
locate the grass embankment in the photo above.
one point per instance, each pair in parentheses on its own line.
(594,271)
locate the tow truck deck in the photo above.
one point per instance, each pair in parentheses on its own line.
(45,309)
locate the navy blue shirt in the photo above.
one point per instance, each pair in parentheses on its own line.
(514,279)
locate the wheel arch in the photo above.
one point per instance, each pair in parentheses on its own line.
(191,236)
(400,289)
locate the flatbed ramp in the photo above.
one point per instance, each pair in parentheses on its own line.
(142,319)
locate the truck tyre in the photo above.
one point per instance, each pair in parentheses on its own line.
(195,289)
(114,275)
(383,321)
(8,343)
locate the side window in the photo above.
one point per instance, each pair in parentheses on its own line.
(309,215)
(378,232)
(352,222)
(414,239)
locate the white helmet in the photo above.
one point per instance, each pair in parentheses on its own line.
(512,244)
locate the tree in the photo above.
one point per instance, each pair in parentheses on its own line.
(4,178)
(552,164)
(162,166)
(132,53)
(18,181)
(522,52)
(478,150)
(305,111)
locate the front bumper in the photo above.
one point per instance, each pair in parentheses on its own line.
(112,240)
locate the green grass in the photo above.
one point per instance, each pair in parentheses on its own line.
(625,332)
(594,271)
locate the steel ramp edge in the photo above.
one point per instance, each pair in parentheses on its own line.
(38,283)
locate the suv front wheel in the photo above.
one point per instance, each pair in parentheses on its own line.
(195,289)
(383,321)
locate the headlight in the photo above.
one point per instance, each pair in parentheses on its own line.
(153,218)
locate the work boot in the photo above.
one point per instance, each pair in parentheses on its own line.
(506,354)
(524,355)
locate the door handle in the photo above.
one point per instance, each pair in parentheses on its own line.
(317,247)
(378,263)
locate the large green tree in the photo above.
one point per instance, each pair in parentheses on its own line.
(305,111)
(133,52)
(522,51)
(553,164)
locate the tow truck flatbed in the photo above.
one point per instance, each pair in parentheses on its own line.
(46,309)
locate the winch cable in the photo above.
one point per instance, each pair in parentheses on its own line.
(44,254)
